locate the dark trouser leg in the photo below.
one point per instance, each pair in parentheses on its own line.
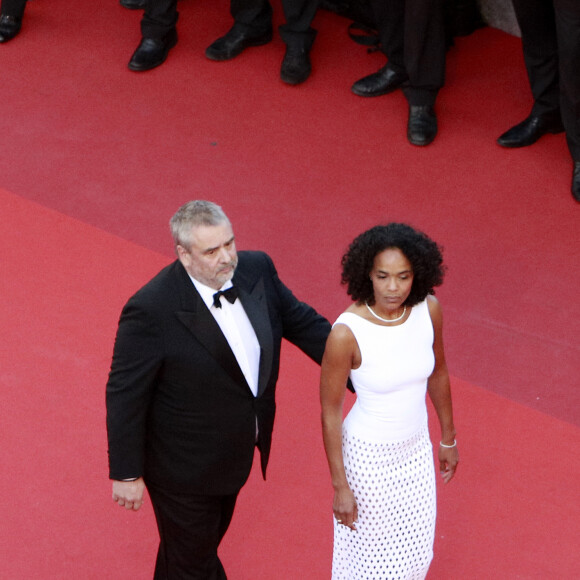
(299,14)
(254,15)
(13,8)
(390,17)
(159,19)
(424,50)
(191,528)
(413,38)
(568,28)
(539,42)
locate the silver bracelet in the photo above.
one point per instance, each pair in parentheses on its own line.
(449,446)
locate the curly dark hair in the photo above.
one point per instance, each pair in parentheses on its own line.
(423,253)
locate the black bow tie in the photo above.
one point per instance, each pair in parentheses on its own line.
(230,295)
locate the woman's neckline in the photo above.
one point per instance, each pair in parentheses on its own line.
(375,322)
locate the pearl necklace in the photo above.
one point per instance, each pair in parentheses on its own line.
(386,319)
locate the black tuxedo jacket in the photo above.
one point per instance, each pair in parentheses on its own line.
(179,410)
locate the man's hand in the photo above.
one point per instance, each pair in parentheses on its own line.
(129,494)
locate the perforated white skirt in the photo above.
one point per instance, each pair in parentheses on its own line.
(394,486)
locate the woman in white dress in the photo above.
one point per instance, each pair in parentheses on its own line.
(389,343)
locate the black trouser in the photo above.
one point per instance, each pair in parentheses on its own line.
(161,16)
(412,35)
(191,528)
(13,7)
(551,43)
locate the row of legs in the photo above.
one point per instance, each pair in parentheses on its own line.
(412,37)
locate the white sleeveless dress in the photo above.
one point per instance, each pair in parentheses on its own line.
(387,453)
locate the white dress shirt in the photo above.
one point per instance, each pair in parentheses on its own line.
(237,329)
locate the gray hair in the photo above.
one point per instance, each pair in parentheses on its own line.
(192,214)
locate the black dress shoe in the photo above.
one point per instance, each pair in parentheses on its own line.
(9,27)
(422,125)
(576,181)
(134,4)
(531,129)
(384,81)
(235,42)
(296,66)
(152,52)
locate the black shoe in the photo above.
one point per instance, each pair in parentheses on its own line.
(235,42)
(384,81)
(422,125)
(134,4)
(9,27)
(576,181)
(296,66)
(152,52)
(531,129)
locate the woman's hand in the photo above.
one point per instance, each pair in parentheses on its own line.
(448,460)
(344,508)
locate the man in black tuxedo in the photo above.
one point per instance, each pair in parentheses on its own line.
(551,43)
(191,390)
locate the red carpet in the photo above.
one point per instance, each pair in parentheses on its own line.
(93,162)
(512,511)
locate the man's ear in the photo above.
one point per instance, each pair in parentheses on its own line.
(182,255)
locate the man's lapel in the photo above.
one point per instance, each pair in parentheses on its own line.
(256,307)
(200,322)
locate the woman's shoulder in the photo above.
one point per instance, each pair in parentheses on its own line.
(434,308)
(433,304)
(351,313)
